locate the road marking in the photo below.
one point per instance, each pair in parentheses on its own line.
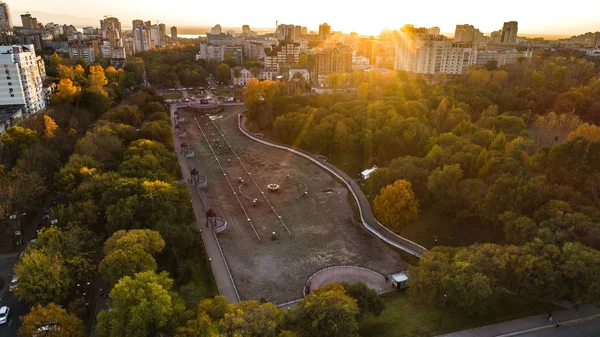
(9,322)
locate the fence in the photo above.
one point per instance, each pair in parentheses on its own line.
(418,248)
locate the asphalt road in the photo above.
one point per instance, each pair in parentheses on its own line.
(17,307)
(586,329)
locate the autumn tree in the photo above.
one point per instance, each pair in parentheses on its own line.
(66,92)
(396,205)
(97,78)
(49,127)
(51,320)
(43,277)
(251,319)
(329,312)
(367,299)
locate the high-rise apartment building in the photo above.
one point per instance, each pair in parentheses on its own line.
(162,35)
(282,56)
(83,49)
(286,32)
(5,19)
(28,21)
(246,30)
(216,30)
(22,79)
(496,36)
(331,60)
(219,52)
(174,34)
(254,50)
(324,31)
(464,34)
(297,32)
(141,35)
(304,31)
(509,32)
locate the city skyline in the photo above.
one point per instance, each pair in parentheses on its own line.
(552,20)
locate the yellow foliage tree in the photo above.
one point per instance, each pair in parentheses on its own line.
(79,71)
(588,131)
(66,91)
(396,205)
(49,127)
(65,72)
(97,78)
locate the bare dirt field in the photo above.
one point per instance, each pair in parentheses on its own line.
(322,226)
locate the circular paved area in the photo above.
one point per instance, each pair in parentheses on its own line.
(349,274)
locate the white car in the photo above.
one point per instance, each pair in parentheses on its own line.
(4,314)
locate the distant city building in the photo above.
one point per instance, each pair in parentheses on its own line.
(331,60)
(304,31)
(246,75)
(220,52)
(28,21)
(464,34)
(496,37)
(216,30)
(25,73)
(297,32)
(88,30)
(501,57)
(246,30)
(421,53)
(435,31)
(254,50)
(219,39)
(282,56)
(509,32)
(174,33)
(54,29)
(84,49)
(303,73)
(286,32)
(324,31)
(5,18)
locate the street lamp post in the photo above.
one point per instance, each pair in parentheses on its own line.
(443,309)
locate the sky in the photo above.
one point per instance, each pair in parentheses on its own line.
(549,17)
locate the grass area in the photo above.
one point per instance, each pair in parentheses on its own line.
(404,318)
(173,95)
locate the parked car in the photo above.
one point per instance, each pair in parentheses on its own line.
(4,311)
(45,214)
(13,284)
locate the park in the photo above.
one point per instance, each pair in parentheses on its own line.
(287,218)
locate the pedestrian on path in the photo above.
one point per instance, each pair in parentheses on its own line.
(577,306)
(550,320)
(558,323)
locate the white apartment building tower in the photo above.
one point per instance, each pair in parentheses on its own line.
(22,78)
(428,55)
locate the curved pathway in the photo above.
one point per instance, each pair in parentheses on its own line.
(366,214)
(350,274)
(218,264)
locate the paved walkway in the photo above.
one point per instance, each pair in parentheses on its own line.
(349,274)
(366,214)
(223,279)
(531,325)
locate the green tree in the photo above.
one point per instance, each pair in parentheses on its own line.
(251,319)
(223,73)
(327,313)
(367,299)
(443,185)
(140,306)
(43,277)
(51,320)
(396,205)
(200,326)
